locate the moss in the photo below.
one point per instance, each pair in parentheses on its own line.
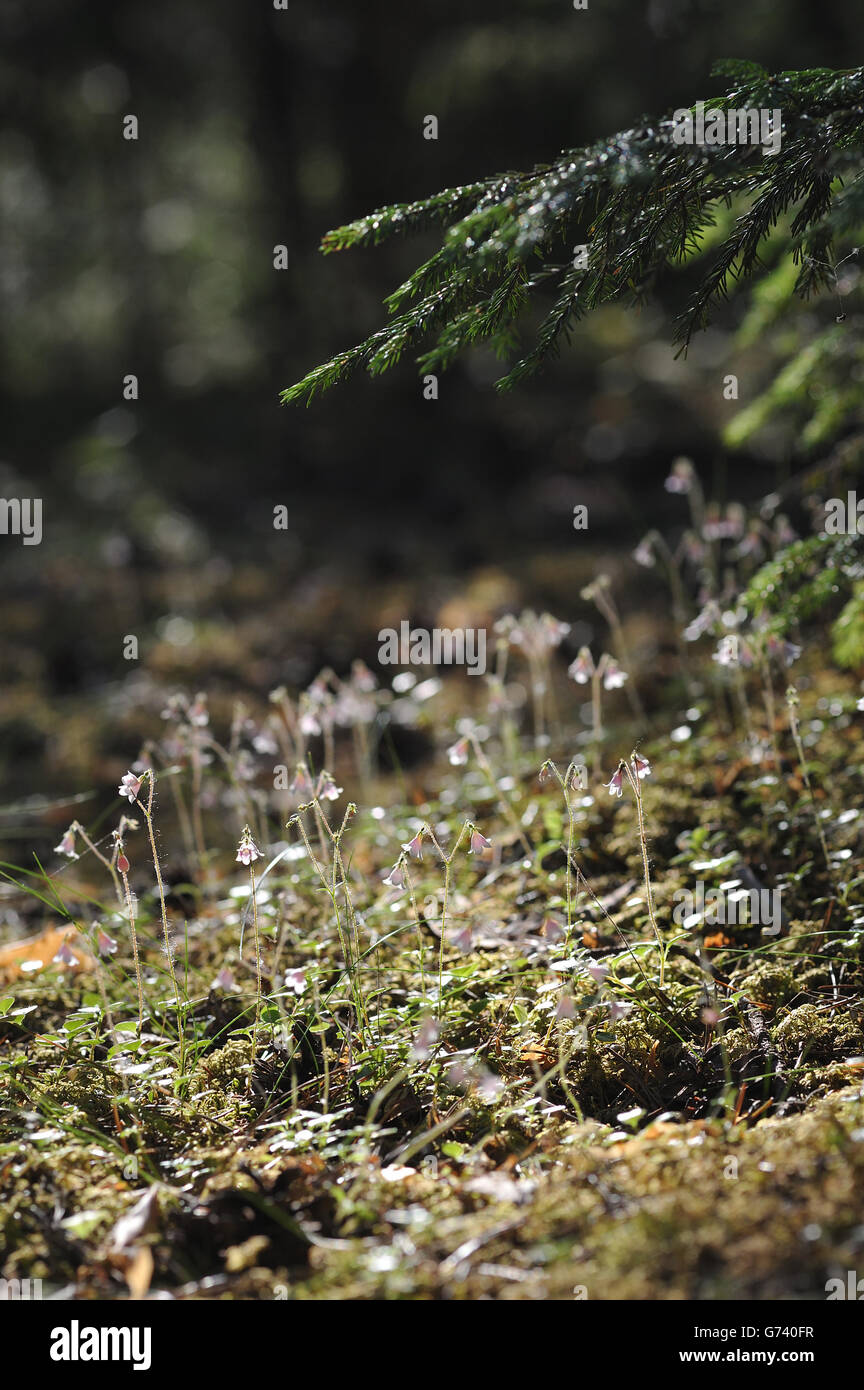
(225,1070)
(770,983)
(815,1034)
(689,1211)
(738,1044)
(89,1094)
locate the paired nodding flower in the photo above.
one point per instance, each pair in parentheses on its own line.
(607,669)
(324,789)
(734,650)
(636,769)
(398,878)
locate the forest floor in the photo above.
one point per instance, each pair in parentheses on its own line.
(560,1103)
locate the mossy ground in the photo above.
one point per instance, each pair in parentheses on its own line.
(702,1137)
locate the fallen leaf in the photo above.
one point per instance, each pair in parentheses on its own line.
(37,952)
(141,1218)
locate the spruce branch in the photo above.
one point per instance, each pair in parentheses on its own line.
(641,203)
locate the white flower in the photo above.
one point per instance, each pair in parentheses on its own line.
(247,850)
(67,844)
(65,955)
(457,753)
(130,786)
(615,786)
(613,676)
(327,788)
(644,555)
(582,669)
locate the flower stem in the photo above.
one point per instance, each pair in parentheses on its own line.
(147,812)
(131,911)
(643,841)
(257,977)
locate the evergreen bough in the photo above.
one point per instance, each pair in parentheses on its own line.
(640,203)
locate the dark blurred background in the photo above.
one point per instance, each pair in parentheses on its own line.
(260,127)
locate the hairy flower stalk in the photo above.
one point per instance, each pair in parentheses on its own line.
(123,869)
(130,787)
(247,853)
(413,849)
(478,843)
(573,780)
(338,876)
(635,770)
